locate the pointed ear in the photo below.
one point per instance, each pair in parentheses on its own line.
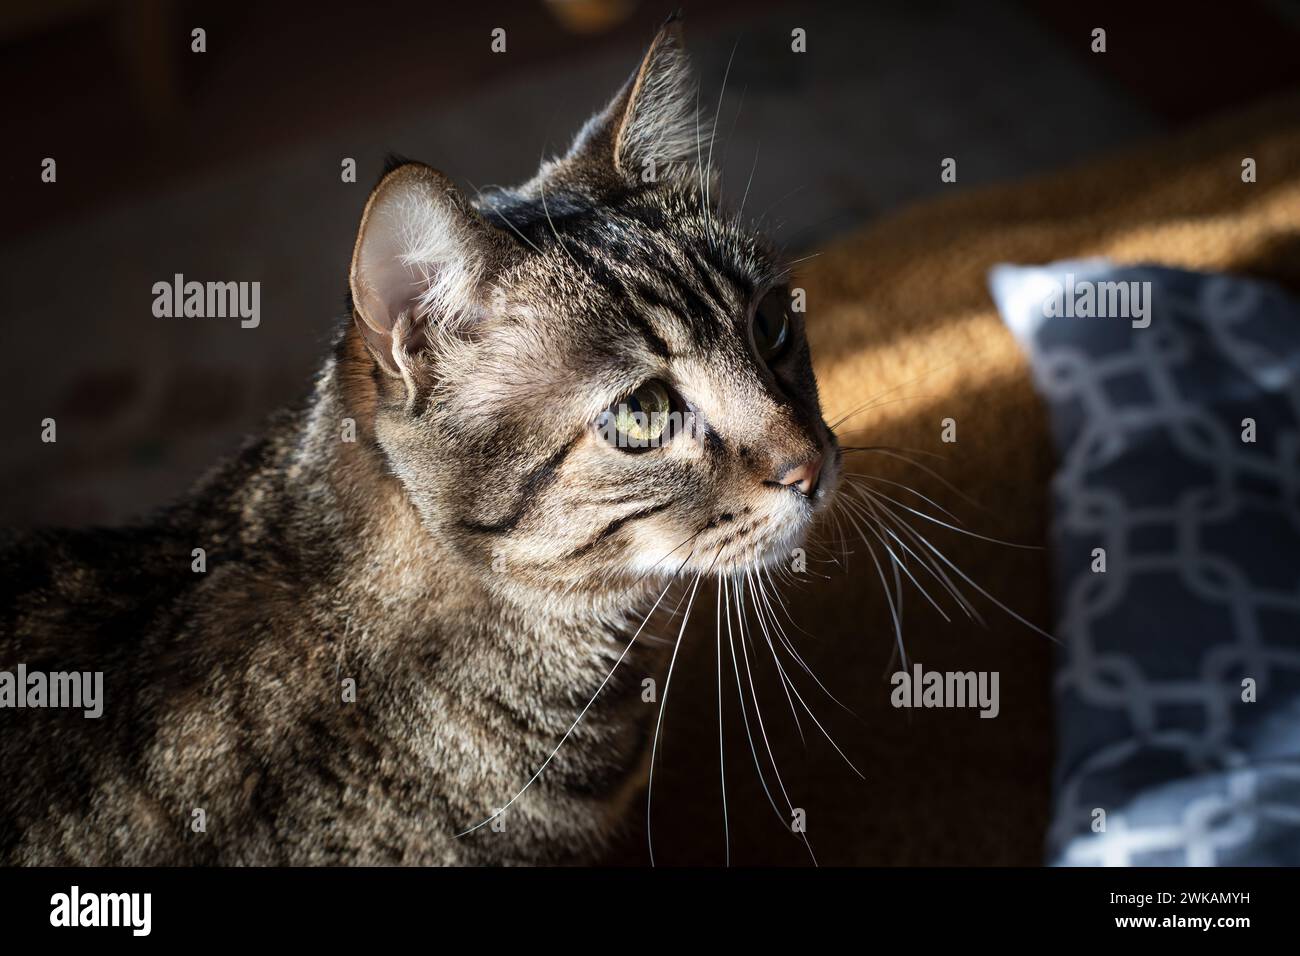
(420,260)
(653,122)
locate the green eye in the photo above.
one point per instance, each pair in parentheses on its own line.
(640,419)
(771,326)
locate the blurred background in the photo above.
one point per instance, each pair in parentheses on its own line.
(225,165)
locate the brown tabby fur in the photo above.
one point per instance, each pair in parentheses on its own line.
(473,560)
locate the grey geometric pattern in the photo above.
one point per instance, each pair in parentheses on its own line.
(1201,588)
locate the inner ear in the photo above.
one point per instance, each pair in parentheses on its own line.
(419,265)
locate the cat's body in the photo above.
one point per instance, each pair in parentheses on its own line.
(413,586)
(224,689)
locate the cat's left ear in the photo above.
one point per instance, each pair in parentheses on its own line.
(420,262)
(651,129)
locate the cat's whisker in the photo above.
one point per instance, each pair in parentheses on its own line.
(893,612)
(717,114)
(795,690)
(858,479)
(659,722)
(758,715)
(753,691)
(965,577)
(502,216)
(533,779)
(609,573)
(884,518)
(903,384)
(740,214)
(873,405)
(886,515)
(760,594)
(644,621)
(906,570)
(776,203)
(740,696)
(972,534)
(776,592)
(931,552)
(726,149)
(768,628)
(795,262)
(550,222)
(891,453)
(699,163)
(901,450)
(741,588)
(722,752)
(833,517)
(929,563)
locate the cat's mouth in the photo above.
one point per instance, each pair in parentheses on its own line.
(768,532)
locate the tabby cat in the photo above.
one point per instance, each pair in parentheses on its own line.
(550,403)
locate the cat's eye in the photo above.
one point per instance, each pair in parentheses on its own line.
(640,420)
(771,325)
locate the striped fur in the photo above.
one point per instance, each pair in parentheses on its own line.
(474,561)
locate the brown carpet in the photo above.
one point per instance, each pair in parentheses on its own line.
(900,314)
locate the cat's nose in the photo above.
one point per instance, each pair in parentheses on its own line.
(803,476)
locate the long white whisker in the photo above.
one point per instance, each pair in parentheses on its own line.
(722,761)
(807,709)
(577,720)
(758,714)
(749,182)
(717,114)
(982,537)
(551,223)
(965,577)
(508,222)
(763,626)
(893,613)
(898,563)
(886,516)
(857,479)
(784,639)
(663,702)
(929,471)
(740,695)
(904,384)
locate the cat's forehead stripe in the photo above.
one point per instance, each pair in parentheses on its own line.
(657,257)
(680,284)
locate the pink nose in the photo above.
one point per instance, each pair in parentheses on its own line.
(803,477)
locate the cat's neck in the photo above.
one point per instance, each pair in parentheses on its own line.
(348,512)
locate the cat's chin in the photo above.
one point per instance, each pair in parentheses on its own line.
(778,545)
(772,554)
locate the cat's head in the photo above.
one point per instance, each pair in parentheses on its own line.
(597,374)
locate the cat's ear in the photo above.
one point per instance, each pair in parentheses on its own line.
(420,261)
(651,128)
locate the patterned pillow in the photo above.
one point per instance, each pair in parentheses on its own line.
(1175,408)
